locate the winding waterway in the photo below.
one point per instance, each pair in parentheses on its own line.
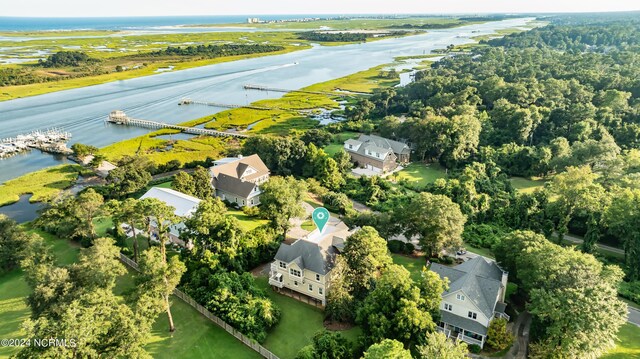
(83,111)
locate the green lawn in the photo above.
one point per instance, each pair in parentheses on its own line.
(195,337)
(298,324)
(413,265)
(628,344)
(477,250)
(338,142)
(419,174)
(246,223)
(525,185)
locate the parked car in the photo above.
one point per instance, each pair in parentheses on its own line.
(461,252)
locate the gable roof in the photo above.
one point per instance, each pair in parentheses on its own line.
(232,175)
(395,146)
(184,204)
(480,280)
(316,251)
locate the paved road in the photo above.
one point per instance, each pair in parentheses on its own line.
(634,316)
(578,240)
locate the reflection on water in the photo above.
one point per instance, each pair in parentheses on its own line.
(22,211)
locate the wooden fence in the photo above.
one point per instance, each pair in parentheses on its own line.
(202,310)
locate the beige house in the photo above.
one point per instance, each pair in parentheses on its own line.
(377,153)
(304,267)
(184,207)
(475,296)
(238,179)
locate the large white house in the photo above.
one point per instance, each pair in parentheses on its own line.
(304,267)
(475,296)
(238,179)
(185,206)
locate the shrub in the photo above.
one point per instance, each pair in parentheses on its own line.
(337,202)
(497,335)
(482,235)
(475,348)
(315,187)
(630,291)
(251,211)
(396,246)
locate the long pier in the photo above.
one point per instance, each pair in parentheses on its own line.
(188,101)
(121,118)
(275,89)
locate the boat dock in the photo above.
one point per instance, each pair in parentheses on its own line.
(51,140)
(188,101)
(121,118)
(275,89)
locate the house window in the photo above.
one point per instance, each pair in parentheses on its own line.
(310,288)
(317,277)
(459,296)
(295,272)
(472,315)
(320,290)
(448,307)
(295,282)
(283,265)
(350,147)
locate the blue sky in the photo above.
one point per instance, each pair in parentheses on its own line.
(256,7)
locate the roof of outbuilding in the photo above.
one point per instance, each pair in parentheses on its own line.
(480,280)
(184,204)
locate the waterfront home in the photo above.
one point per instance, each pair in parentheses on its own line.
(377,153)
(475,296)
(184,205)
(302,267)
(237,179)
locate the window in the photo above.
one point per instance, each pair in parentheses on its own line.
(283,265)
(310,288)
(350,147)
(472,315)
(459,296)
(317,277)
(448,307)
(320,290)
(295,272)
(295,282)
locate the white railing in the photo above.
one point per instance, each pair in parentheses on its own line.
(274,281)
(469,340)
(502,315)
(446,332)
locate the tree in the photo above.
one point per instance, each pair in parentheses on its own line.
(366,255)
(326,345)
(622,218)
(497,335)
(81,150)
(129,211)
(330,175)
(395,309)
(183,182)
(87,207)
(159,277)
(13,242)
(436,220)
(387,349)
(343,160)
(160,215)
(202,183)
(340,301)
(280,201)
(438,346)
(283,155)
(131,175)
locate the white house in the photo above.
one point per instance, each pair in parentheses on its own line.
(304,266)
(238,179)
(475,296)
(185,206)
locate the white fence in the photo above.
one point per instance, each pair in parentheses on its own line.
(202,310)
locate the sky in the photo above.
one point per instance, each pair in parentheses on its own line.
(79,8)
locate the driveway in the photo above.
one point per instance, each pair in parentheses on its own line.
(634,316)
(578,240)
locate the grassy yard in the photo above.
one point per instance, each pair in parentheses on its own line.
(246,223)
(298,324)
(524,185)
(338,142)
(45,184)
(195,337)
(413,265)
(419,174)
(628,344)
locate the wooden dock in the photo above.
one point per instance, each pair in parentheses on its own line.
(120,118)
(188,101)
(275,89)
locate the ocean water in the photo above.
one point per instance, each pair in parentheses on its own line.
(128,23)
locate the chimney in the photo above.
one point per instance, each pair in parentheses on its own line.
(239,156)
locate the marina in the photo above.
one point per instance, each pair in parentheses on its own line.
(51,141)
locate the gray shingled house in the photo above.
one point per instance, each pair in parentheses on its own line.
(377,153)
(475,296)
(238,179)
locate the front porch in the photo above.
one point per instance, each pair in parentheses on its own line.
(457,333)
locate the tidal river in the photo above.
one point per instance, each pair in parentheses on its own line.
(83,111)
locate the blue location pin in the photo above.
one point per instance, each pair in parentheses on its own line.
(320,217)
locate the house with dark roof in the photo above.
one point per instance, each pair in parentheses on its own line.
(475,296)
(238,179)
(302,269)
(377,153)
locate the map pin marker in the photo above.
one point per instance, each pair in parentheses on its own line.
(320,217)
